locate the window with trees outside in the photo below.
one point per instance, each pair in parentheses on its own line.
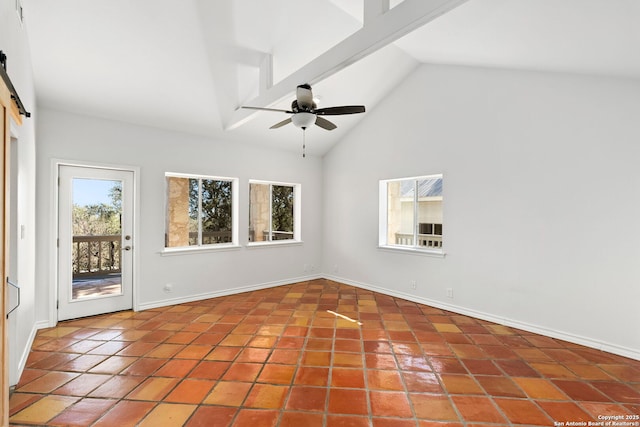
(201,211)
(274,212)
(411,213)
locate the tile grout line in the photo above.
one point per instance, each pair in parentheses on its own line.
(560,359)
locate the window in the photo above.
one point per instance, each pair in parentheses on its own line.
(201,211)
(411,213)
(274,212)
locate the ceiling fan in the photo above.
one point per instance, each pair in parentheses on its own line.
(304,112)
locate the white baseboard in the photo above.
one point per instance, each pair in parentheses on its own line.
(223,293)
(22,362)
(529,327)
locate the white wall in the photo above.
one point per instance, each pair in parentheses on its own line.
(83,139)
(541,199)
(22,323)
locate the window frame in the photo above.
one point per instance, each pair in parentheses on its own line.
(234,215)
(297,213)
(383,203)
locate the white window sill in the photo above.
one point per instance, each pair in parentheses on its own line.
(413,251)
(252,245)
(199,249)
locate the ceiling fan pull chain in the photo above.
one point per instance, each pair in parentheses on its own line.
(304,142)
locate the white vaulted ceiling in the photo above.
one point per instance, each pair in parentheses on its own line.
(187,65)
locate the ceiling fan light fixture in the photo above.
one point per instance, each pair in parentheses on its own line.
(303,119)
(305,112)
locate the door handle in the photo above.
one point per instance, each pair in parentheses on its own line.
(18,303)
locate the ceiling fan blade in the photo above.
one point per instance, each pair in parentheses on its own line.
(304,96)
(280,124)
(336,111)
(268,109)
(325,124)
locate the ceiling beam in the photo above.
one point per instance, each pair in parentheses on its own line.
(266,73)
(373,9)
(380,28)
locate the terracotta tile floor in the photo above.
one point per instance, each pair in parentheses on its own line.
(278,357)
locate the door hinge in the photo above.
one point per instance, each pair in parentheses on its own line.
(57,305)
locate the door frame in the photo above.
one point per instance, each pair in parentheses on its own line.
(54,235)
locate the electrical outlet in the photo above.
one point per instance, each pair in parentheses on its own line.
(414,285)
(450,293)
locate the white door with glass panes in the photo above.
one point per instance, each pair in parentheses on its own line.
(95,241)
